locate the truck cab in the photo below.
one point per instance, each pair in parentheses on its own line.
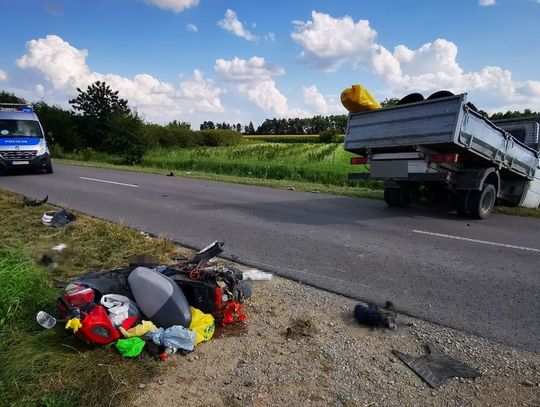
(22,140)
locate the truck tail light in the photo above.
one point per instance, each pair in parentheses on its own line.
(359,160)
(443,158)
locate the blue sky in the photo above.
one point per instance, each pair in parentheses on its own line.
(238,61)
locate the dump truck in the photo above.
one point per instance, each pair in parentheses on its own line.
(444,148)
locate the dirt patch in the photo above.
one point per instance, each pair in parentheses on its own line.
(301,346)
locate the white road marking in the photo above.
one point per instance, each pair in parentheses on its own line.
(467,239)
(109,182)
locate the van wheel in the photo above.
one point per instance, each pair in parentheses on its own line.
(396,197)
(462,203)
(49,169)
(481,203)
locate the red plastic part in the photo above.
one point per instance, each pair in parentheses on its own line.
(97,327)
(79,295)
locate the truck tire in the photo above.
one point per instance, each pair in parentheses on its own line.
(481,202)
(462,203)
(49,169)
(396,197)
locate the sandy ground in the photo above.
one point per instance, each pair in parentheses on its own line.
(329,360)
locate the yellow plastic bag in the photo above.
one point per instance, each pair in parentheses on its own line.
(139,330)
(358,99)
(202,324)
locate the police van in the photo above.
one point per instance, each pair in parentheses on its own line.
(22,141)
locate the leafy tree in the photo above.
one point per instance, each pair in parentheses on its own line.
(106,123)
(207,125)
(8,97)
(389,102)
(179,125)
(99,101)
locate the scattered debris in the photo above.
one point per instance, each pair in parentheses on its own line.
(59,247)
(58,219)
(46,320)
(257,275)
(315,191)
(164,309)
(291,189)
(130,347)
(436,366)
(34,202)
(46,260)
(170,174)
(375,316)
(208,253)
(141,386)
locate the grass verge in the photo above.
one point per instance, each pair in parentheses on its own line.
(48,367)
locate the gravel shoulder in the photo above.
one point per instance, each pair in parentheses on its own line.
(328,359)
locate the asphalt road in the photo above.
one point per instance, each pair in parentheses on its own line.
(478,276)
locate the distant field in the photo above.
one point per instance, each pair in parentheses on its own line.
(309,162)
(287,138)
(324,164)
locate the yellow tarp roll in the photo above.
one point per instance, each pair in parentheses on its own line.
(358,99)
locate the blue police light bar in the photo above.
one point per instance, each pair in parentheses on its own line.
(16,107)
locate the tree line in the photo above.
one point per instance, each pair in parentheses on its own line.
(100,120)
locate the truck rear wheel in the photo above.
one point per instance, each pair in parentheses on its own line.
(462,203)
(396,197)
(481,203)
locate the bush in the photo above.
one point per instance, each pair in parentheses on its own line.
(328,136)
(125,137)
(169,136)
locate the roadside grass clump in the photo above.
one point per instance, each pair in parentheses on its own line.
(25,287)
(41,367)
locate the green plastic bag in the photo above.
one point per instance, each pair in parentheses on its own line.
(130,347)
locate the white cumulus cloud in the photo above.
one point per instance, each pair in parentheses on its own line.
(318,103)
(253,79)
(175,5)
(3,75)
(192,27)
(232,24)
(486,3)
(65,67)
(328,43)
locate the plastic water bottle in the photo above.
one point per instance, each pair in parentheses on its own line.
(47,321)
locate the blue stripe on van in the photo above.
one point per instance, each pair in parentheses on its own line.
(19,141)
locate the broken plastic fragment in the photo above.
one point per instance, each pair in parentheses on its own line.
(436,366)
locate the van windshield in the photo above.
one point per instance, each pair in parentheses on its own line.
(20,128)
